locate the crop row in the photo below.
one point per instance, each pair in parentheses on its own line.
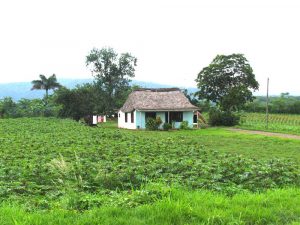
(276,122)
(50,156)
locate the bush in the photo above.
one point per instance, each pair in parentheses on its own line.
(167,126)
(221,118)
(153,124)
(184,125)
(202,125)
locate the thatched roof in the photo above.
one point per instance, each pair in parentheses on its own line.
(159,99)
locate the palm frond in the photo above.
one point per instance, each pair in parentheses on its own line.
(45,83)
(37,85)
(43,78)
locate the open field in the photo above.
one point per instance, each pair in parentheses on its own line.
(62,172)
(284,123)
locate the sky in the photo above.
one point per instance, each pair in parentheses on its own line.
(172,39)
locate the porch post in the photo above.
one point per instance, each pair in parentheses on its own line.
(141,119)
(198,114)
(197,119)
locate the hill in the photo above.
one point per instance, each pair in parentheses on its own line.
(20,90)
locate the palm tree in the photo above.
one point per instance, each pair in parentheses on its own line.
(45,84)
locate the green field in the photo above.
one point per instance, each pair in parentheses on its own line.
(62,172)
(284,123)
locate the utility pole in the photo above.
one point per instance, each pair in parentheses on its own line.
(267,105)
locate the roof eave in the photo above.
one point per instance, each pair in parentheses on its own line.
(169,110)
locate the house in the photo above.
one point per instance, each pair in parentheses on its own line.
(170,104)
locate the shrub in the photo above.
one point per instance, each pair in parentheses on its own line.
(184,125)
(167,126)
(202,125)
(153,124)
(221,118)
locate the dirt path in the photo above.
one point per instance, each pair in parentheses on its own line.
(265,133)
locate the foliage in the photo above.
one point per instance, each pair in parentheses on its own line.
(204,105)
(81,101)
(167,126)
(112,75)
(285,123)
(45,84)
(191,97)
(221,118)
(277,104)
(179,206)
(7,107)
(227,81)
(78,168)
(184,125)
(83,159)
(26,108)
(153,124)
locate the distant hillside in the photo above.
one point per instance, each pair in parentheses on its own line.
(22,89)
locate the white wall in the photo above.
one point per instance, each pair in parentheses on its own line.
(139,119)
(123,124)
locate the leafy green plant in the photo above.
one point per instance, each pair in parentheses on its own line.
(222,118)
(184,125)
(167,126)
(79,168)
(153,124)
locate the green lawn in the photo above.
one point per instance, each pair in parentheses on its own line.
(61,172)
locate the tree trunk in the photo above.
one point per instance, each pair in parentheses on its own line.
(46,97)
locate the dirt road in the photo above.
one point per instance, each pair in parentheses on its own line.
(265,133)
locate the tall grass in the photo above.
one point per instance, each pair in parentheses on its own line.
(180,207)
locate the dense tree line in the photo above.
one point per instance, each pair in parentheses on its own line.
(282,104)
(85,100)
(112,73)
(27,108)
(225,86)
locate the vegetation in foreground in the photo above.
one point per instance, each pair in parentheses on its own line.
(54,170)
(284,123)
(178,207)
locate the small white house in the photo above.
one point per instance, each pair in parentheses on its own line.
(170,104)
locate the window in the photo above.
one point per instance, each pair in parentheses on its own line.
(119,115)
(150,115)
(176,116)
(132,117)
(126,119)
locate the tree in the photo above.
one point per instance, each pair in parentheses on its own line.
(228,81)
(45,84)
(112,75)
(190,97)
(8,107)
(78,102)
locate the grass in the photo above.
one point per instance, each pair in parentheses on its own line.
(180,207)
(61,172)
(281,123)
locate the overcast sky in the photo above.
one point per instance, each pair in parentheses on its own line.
(173,40)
